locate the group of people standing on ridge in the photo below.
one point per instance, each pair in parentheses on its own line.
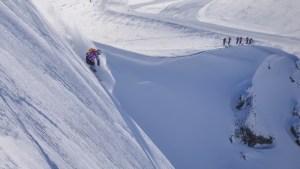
(239,41)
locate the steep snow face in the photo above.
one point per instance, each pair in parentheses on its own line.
(53,111)
(273,16)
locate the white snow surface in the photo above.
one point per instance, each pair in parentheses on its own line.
(272,16)
(54,113)
(163,71)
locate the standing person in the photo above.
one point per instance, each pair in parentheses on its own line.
(237,40)
(240,40)
(224,41)
(229,40)
(91,55)
(247,40)
(250,41)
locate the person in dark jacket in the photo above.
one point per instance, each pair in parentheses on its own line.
(229,40)
(240,40)
(247,40)
(224,41)
(250,41)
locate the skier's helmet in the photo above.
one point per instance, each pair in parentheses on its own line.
(91,50)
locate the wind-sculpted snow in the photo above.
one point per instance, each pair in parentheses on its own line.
(54,113)
(188,105)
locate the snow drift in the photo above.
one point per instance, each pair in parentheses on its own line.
(189,105)
(53,111)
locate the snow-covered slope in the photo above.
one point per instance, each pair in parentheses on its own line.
(193,107)
(54,113)
(272,16)
(199,108)
(115,24)
(188,105)
(148,26)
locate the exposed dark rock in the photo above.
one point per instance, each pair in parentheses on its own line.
(244,102)
(296,133)
(243,156)
(247,136)
(292,80)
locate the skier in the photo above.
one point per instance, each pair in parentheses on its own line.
(229,40)
(90,57)
(224,41)
(240,40)
(247,40)
(250,41)
(237,40)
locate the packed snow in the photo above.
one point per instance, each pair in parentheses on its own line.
(167,94)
